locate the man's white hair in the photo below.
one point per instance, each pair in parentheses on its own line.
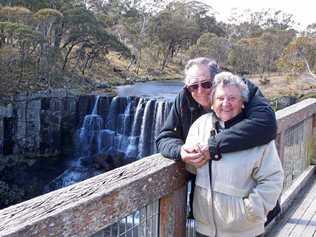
(210,63)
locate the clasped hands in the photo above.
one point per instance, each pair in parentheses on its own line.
(197,155)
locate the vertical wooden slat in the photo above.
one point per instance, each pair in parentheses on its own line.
(280,145)
(313,160)
(173,214)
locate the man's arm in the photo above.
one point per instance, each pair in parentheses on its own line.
(258,128)
(170,139)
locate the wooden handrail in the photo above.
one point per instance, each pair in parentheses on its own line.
(88,206)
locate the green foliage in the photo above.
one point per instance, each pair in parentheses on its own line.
(17,31)
(47,13)
(14,14)
(84,27)
(35,5)
(298,55)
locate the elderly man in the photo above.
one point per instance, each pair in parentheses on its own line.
(258,127)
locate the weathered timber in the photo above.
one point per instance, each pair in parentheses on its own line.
(172,214)
(295,114)
(300,219)
(86,207)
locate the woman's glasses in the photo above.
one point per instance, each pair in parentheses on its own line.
(204,85)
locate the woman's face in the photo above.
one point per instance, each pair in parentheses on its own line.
(227,102)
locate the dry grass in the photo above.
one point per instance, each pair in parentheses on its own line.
(285,85)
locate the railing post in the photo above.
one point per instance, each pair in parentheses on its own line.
(313,158)
(280,145)
(173,214)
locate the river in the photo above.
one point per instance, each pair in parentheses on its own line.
(153,89)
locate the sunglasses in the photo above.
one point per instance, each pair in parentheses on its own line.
(204,85)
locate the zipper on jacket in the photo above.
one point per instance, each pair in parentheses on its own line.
(212,134)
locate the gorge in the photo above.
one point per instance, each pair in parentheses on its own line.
(54,138)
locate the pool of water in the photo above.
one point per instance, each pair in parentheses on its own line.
(153,89)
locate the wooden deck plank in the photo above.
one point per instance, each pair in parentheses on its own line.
(304,221)
(287,224)
(310,229)
(300,219)
(307,218)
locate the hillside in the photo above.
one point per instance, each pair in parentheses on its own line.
(277,85)
(104,77)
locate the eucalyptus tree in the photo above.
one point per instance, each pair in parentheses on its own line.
(49,23)
(86,39)
(175,28)
(18,41)
(270,19)
(299,56)
(311,30)
(242,56)
(211,45)
(129,20)
(21,42)
(16,14)
(269,48)
(35,5)
(249,23)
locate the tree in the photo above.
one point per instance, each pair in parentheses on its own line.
(48,23)
(242,56)
(22,37)
(270,19)
(210,45)
(311,30)
(269,48)
(172,29)
(86,38)
(299,56)
(16,14)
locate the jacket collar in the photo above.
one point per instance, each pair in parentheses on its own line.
(235,120)
(230,122)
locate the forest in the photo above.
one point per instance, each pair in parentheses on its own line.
(86,44)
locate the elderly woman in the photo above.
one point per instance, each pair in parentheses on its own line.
(232,195)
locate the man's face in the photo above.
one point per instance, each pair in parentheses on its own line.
(199,84)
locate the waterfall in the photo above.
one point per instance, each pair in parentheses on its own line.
(122,133)
(146,138)
(95,107)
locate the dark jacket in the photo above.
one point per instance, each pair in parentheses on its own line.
(258,128)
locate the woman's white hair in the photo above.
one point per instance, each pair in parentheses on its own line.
(229,79)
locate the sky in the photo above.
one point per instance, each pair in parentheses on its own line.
(303,10)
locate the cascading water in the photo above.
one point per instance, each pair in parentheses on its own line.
(114,136)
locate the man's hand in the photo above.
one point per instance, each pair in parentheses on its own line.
(196,155)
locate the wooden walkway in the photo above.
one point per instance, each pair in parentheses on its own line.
(300,219)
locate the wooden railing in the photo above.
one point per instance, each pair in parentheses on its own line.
(296,146)
(89,207)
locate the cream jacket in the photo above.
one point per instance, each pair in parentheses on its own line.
(245,187)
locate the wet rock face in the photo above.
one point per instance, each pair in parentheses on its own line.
(6,129)
(22,179)
(40,124)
